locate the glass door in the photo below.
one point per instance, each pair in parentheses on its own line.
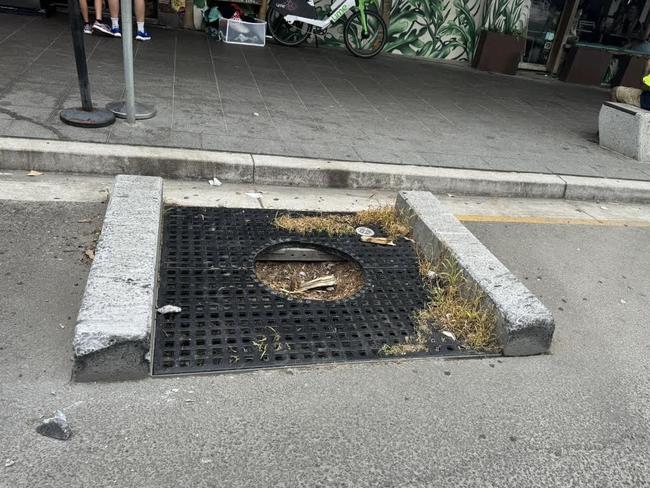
(542,23)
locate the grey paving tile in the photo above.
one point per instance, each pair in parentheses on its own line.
(24,128)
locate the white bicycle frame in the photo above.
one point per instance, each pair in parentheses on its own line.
(339,7)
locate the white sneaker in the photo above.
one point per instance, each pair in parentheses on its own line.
(101,27)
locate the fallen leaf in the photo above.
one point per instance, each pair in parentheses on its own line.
(34,173)
(382,241)
(90,254)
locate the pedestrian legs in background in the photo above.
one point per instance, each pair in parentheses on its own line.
(141,34)
(99,26)
(83,5)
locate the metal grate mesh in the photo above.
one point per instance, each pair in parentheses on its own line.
(230,320)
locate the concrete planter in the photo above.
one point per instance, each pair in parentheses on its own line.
(498,53)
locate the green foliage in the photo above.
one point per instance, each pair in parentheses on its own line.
(446,29)
(504,16)
(414,25)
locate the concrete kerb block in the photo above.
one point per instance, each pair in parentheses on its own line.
(113,159)
(585,188)
(625,129)
(114,324)
(289,171)
(524,325)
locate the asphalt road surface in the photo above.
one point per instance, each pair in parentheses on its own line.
(576,417)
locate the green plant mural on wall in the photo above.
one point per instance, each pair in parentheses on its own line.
(505,16)
(461,32)
(444,29)
(434,28)
(414,26)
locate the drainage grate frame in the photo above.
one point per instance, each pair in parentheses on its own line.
(231,321)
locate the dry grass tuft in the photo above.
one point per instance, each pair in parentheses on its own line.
(455,306)
(332,225)
(392,223)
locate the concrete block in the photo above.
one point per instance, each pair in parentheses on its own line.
(625,129)
(524,325)
(115,320)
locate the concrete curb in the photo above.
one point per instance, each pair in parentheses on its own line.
(117,310)
(114,159)
(524,325)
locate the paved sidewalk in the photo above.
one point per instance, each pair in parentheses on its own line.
(306,102)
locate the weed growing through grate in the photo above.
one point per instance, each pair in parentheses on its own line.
(393,223)
(456,306)
(262,344)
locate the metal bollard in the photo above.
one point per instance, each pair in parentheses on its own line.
(86,115)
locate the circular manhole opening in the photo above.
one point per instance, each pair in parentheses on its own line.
(309,272)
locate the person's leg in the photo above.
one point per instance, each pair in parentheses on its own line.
(99,10)
(114,9)
(83,5)
(141,34)
(99,25)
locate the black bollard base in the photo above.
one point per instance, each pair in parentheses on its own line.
(91,119)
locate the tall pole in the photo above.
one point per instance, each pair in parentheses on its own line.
(128,109)
(86,115)
(127,50)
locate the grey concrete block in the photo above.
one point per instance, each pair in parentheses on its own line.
(524,325)
(114,324)
(625,129)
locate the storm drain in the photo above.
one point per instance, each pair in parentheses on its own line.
(232,321)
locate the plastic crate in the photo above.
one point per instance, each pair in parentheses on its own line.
(240,32)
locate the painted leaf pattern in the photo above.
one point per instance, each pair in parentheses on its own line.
(444,29)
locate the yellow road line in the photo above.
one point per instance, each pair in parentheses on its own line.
(550,220)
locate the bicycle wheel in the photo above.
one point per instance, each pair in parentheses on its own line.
(372,42)
(285,33)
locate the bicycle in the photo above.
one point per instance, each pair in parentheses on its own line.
(291,22)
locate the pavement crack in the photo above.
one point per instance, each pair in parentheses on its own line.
(17,116)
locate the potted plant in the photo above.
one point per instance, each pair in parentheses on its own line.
(501,41)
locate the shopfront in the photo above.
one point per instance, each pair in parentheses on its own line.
(609,30)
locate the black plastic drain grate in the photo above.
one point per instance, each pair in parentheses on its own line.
(230,321)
